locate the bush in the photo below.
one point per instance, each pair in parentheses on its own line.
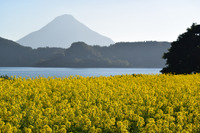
(5,76)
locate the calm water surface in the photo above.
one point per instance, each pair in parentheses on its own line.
(65,72)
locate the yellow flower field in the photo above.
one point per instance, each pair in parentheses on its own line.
(128,103)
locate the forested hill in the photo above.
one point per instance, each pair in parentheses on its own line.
(13,54)
(123,54)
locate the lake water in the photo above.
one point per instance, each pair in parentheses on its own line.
(65,72)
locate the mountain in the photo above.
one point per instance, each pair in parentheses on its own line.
(79,54)
(62,32)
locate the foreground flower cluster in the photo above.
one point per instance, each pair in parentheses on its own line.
(128,103)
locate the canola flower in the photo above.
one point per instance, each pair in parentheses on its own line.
(128,103)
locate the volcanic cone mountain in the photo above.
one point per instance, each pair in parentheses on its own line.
(62,32)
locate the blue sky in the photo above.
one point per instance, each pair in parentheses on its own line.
(121,20)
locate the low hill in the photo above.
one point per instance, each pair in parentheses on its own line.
(13,54)
(124,54)
(79,54)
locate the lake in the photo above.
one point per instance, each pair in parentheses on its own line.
(65,72)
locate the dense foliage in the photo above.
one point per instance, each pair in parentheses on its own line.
(129,103)
(184,55)
(4,76)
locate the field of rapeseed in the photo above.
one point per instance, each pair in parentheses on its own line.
(128,103)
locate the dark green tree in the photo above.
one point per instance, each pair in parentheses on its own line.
(184,55)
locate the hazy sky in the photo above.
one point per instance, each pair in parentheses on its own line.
(121,20)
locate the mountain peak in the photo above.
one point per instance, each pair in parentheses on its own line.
(65,17)
(62,32)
